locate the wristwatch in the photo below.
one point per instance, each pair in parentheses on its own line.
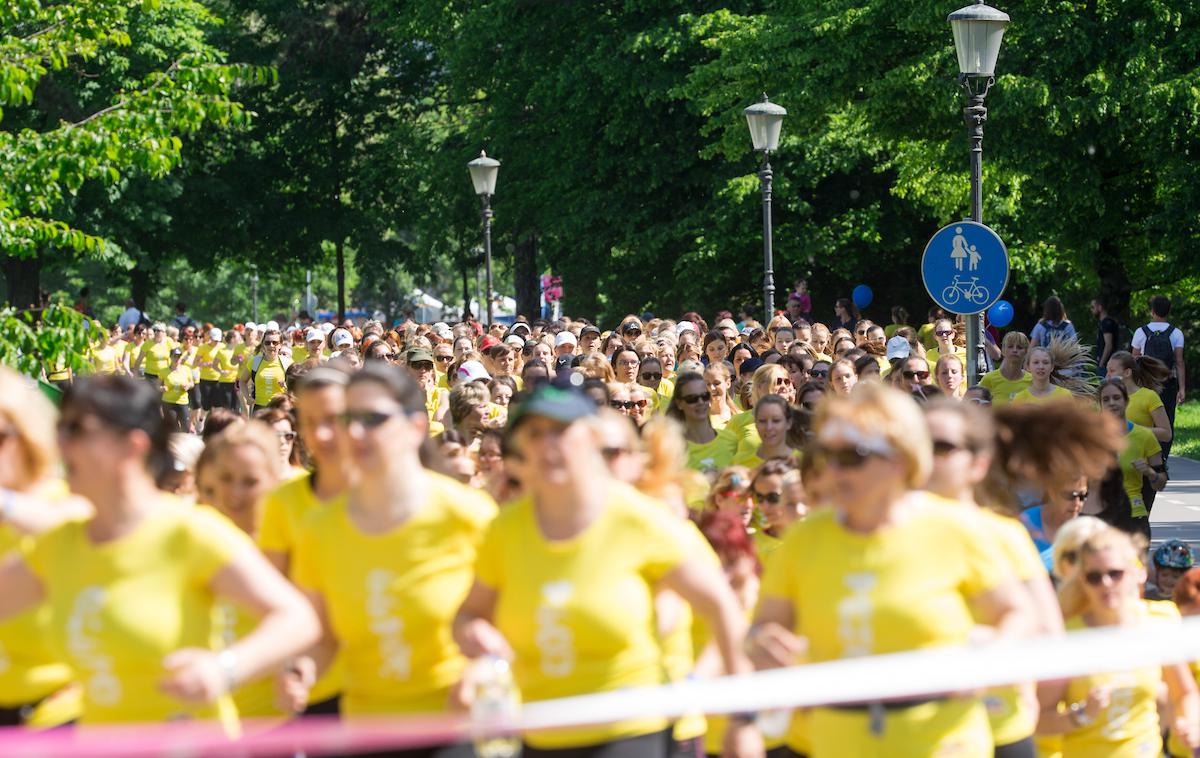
(1078,714)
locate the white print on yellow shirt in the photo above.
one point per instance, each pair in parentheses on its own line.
(854,616)
(553,638)
(387,626)
(83,627)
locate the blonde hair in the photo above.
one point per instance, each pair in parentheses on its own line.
(1070,536)
(763,383)
(881,411)
(596,366)
(1071,596)
(730,477)
(32,417)
(962,370)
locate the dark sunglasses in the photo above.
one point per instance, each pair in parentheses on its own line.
(627,404)
(770,498)
(422,365)
(733,494)
(368,419)
(819,373)
(946,447)
(652,377)
(849,457)
(922,375)
(443,358)
(1096,578)
(1079,495)
(271,343)
(944,333)
(691,399)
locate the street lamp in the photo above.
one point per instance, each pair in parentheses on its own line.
(483,175)
(978,30)
(766,122)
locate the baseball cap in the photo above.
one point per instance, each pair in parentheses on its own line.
(251,326)
(630,325)
(685,326)
(342,338)
(749,366)
(214,334)
(419,354)
(589,329)
(1174,554)
(565,338)
(327,327)
(488,341)
(272,326)
(515,340)
(471,371)
(558,403)
(521,325)
(898,347)
(314,335)
(176,352)
(443,330)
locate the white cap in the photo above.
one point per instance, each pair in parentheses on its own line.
(515,340)
(565,338)
(250,326)
(685,326)
(314,335)
(443,330)
(327,326)
(898,347)
(214,334)
(272,326)
(342,338)
(471,371)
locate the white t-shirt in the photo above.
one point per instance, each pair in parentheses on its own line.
(1139,337)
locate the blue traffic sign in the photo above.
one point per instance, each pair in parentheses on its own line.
(965,267)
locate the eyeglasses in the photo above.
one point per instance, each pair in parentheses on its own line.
(850,457)
(1079,495)
(610,454)
(944,333)
(368,419)
(783,381)
(286,436)
(444,358)
(770,498)
(652,377)
(692,399)
(922,375)
(271,343)
(1096,578)
(946,447)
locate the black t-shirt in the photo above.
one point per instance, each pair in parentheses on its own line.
(1108,325)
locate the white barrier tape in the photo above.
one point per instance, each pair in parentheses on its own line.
(888,677)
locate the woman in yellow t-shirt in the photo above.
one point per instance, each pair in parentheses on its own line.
(778,494)
(243,463)
(227,371)
(1143,378)
(722,407)
(565,581)
(1115,715)
(155,355)
(1011,378)
(740,432)
(885,569)
(945,335)
(34,678)
(773,419)
(176,383)
(388,563)
(132,589)
(707,451)
(964,442)
(1040,390)
(1140,460)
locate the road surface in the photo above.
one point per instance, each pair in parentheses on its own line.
(1176,513)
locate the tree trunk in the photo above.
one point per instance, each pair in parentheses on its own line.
(141,286)
(580,294)
(466,309)
(1115,286)
(23,279)
(525,274)
(341,279)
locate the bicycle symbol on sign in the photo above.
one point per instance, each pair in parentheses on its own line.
(970,290)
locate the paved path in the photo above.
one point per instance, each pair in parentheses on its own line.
(1176,513)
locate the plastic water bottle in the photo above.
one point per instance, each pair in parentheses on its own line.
(497,705)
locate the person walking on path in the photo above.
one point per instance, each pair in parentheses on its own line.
(1160,339)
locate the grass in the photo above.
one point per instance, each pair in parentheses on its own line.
(1187,430)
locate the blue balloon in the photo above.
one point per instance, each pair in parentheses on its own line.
(862,296)
(1000,314)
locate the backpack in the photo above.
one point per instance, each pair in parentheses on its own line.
(1158,345)
(143,320)
(1051,331)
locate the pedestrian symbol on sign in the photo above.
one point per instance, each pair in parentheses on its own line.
(959,250)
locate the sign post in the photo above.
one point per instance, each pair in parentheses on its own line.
(965,270)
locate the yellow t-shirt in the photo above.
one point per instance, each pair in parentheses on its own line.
(1004,391)
(175,385)
(284,511)
(391,597)
(926,336)
(104,359)
(156,358)
(299,353)
(118,608)
(579,613)
(741,434)
(1058,393)
(1142,403)
(905,587)
(710,457)
(1140,444)
(227,371)
(933,354)
(208,359)
(1128,727)
(269,381)
(890,330)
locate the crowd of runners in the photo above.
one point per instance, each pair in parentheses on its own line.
(266,520)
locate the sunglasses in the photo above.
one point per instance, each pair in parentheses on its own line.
(944,333)
(286,436)
(770,498)
(368,419)
(847,457)
(692,399)
(820,373)
(733,494)
(1096,578)
(946,447)
(652,377)
(422,365)
(1079,495)
(610,454)
(444,358)
(861,334)
(922,375)
(627,404)
(271,343)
